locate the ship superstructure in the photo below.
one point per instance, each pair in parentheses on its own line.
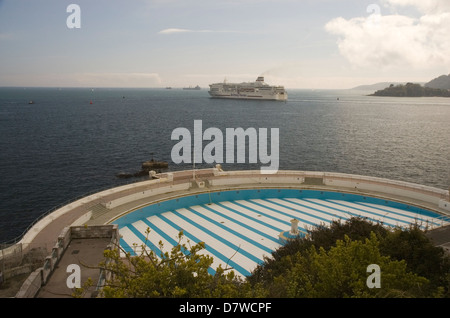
(248,90)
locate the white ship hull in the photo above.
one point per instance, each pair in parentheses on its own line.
(256,91)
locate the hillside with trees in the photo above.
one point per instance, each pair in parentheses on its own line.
(441,82)
(412,90)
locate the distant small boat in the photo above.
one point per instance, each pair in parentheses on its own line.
(31,102)
(192,88)
(168,87)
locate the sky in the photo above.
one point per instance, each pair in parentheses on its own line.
(311,44)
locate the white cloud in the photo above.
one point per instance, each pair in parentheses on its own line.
(390,41)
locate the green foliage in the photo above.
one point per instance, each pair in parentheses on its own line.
(412,90)
(421,255)
(321,236)
(330,262)
(181,273)
(342,272)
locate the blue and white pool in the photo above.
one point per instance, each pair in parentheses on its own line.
(240,227)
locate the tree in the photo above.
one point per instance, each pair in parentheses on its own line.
(411,90)
(321,236)
(342,272)
(408,245)
(421,255)
(181,273)
(331,261)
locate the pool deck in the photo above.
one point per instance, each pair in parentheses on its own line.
(109,205)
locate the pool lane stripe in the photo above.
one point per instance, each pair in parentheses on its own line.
(173,232)
(238,234)
(345,215)
(258,211)
(144,240)
(290,206)
(163,234)
(208,247)
(328,209)
(379,212)
(308,207)
(274,214)
(371,215)
(127,248)
(238,222)
(241,238)
(218,237)
(404,213)
(170,240)
(329,205)
(274,239)
(133,243)
(246,216)
(266,205)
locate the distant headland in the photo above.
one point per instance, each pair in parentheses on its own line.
(438,87)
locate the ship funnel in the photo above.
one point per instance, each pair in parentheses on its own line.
(260,79)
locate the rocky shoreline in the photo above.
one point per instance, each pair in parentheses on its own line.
(146,167)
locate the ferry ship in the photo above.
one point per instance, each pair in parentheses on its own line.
(249,90)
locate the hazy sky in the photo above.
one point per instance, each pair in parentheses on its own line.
(158,43)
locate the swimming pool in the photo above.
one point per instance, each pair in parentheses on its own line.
(240,227)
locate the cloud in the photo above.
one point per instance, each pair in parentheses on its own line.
(395,40)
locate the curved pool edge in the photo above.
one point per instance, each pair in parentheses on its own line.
(236,194)
(182,194)
(425,197)
(106,206)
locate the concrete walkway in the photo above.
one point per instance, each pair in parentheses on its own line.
(87,253)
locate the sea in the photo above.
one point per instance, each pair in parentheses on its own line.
(60,144)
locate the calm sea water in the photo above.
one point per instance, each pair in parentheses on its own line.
(62,146)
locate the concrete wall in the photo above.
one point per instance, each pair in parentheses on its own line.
(80,204)
(31,286)
(40,276)
(146,194)
(445,205)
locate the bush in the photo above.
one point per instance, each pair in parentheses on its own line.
(298,268)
